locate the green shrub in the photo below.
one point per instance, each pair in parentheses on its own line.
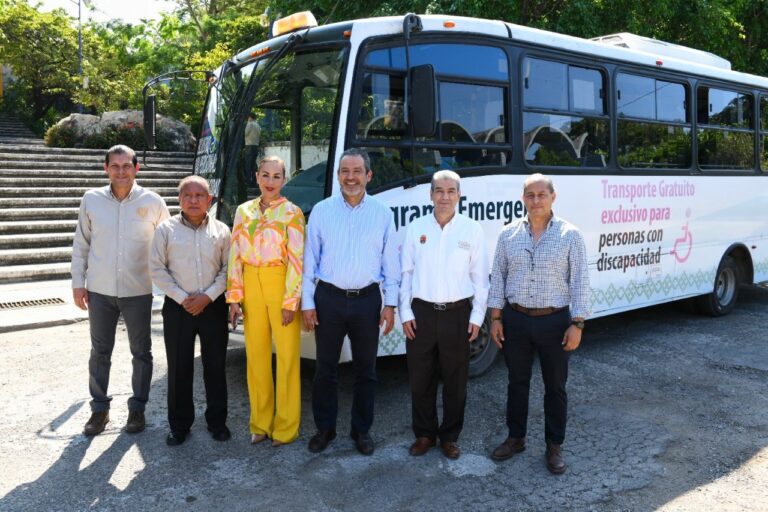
(61,137)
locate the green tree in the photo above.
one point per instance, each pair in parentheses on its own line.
(41,51)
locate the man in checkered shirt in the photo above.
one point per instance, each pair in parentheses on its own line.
(539,298)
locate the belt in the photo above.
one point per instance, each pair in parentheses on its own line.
(443,306)
(536,311)
(350,294)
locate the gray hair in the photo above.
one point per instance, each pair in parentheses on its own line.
(357,152)
(537,178)
(445,175)
(194,179)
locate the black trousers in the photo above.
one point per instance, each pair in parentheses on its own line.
(180,329)
(525,337)
(439,350)
(339,316)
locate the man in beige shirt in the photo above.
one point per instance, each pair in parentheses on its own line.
(189,263)
(110,278)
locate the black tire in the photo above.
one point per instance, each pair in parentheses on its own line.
(483,351)
(725,291)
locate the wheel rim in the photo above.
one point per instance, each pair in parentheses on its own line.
(725,287)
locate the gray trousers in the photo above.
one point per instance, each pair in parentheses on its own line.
(103,313)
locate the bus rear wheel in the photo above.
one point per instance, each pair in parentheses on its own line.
(726,290)
(483,351)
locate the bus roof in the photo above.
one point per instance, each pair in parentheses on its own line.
(624,47)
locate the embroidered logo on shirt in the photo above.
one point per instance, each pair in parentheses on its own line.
(142,211)
(464,245)
(423,239)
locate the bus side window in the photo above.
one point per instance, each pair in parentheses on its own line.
(653,128)
(726,131)
(564,118)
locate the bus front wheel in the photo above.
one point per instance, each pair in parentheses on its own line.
(483,351)
(726,289)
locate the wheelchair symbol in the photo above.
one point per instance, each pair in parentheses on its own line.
(684,244)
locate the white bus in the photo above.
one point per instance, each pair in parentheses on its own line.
(658,151)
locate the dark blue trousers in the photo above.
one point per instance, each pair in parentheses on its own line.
(525,337)
(339,316)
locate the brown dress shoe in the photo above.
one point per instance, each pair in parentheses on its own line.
(97,423)
(451,450)
(508,448)
(135,423)
(421,446)
(555,460)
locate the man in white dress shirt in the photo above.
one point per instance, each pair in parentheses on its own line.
(443,295)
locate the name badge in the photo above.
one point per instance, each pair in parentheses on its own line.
(464,245)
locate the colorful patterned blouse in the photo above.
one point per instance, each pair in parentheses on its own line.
(269,239)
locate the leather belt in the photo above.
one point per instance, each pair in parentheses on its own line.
(536,311)
(350,294)
(443,306)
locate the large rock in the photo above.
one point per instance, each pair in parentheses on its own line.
(172,135)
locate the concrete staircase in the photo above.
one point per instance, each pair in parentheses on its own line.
(40,192)
(13,131)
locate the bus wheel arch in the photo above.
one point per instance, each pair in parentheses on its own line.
(734,269)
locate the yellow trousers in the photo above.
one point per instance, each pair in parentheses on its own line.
(262,310)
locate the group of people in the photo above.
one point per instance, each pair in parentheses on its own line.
(343,274)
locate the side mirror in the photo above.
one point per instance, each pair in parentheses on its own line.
(150,124)
(423,100)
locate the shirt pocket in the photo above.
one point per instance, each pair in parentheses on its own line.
(142,230)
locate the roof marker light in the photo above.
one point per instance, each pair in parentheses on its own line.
(294,22)
(449,24)
(659,62)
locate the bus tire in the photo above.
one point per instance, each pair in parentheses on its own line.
(725,292)
(483,351)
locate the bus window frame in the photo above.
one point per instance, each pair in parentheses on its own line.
(380,42)
(569,59)
(739,89)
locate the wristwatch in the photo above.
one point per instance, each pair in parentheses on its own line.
(578,323)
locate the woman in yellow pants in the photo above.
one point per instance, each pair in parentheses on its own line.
(264,275)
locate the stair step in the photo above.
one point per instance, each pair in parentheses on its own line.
(89,182)
(64,213)
(77,165)
(37,146)
(53,173)
(90,159)
(55,202)
(71,191)
(10,257)
(25,240)
(37,226)
(37,272)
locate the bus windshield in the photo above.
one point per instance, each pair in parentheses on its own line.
(286,109)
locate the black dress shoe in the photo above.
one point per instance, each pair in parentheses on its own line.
(175,438)
(319,441)
(221,433)
(363,442)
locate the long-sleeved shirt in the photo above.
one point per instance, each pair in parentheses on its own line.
(188,260)
(110,253)
(351,248)
(444,265)
(549,273)
(269,239)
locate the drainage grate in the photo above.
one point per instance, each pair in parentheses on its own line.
(31,303)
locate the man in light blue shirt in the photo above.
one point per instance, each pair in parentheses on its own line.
(349,257)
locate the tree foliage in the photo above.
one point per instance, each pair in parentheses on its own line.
(118,58)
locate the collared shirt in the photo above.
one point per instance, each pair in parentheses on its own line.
(549,273)
(444,265)
(188,260)
(270,239)
(351,248)
(110,254)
